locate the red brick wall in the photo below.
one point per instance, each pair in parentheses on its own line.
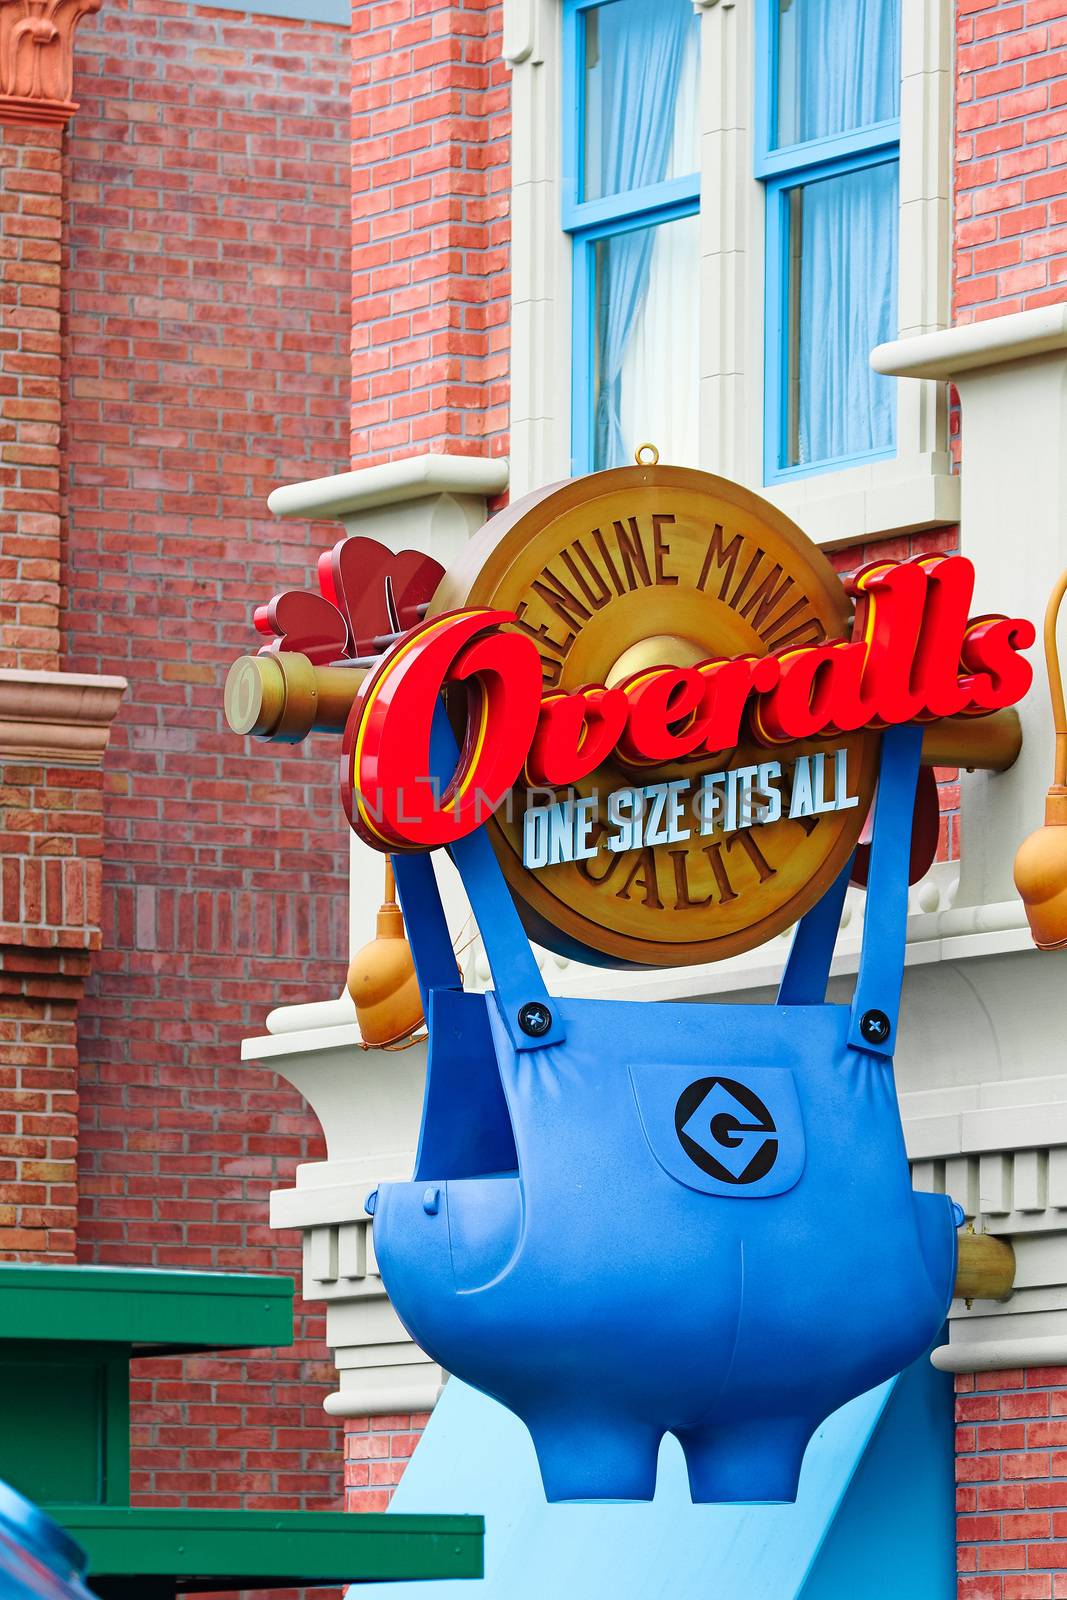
(1011,1467)
(31,201)
(50,844)
(207,360)
(1011,156)
(430,229)
(38,1128)
(377,1449)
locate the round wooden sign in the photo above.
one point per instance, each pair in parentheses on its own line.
(657,565)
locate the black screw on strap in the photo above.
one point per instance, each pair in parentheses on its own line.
(535,1018)
(875,1027)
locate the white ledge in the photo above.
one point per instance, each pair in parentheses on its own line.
(312,1014)
(1001,1355)
(418,1390)
(412,478)
(307,1041)
(976,344)
(877,506)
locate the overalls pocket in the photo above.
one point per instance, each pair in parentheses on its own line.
(736,1134)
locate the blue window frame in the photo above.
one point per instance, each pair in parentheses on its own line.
(629,175)
(827,151)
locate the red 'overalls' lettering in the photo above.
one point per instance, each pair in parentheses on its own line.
(913,656)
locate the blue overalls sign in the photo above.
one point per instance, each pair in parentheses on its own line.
(619,1233)
(647,722)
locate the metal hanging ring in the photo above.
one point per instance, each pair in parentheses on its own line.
(652,459)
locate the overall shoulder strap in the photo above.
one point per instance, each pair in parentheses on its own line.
(876,1001)
(882,961)
(531,1018)
(808,968)
(427,929)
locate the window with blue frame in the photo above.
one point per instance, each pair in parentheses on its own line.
(828,153)
(631,194)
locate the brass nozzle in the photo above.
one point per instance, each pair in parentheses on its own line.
(985,1269)
(283,696)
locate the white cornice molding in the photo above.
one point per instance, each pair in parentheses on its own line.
(1002,1355)
(974,345)
(390,483)
(61,717)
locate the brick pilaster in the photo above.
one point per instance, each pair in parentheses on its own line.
(430,229)
(1011,157)
(31,184)
(53,726)
(206,293)
(51,841)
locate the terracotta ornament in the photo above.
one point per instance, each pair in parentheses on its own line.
(36,58)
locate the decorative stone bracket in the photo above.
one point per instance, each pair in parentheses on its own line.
(61,717)
(368,1103)
(37,58)
(50,721)
(433,503)
(985,1120)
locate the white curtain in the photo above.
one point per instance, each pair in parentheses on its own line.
(649,92)
(658,390)
(847,306)
(838,66)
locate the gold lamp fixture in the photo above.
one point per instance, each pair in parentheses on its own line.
(1041,860)
(381,977)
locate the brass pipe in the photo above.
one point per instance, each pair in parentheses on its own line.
(985,1268)
(283,697)
(990,743)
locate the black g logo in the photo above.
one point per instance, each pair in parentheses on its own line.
(726,1130)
